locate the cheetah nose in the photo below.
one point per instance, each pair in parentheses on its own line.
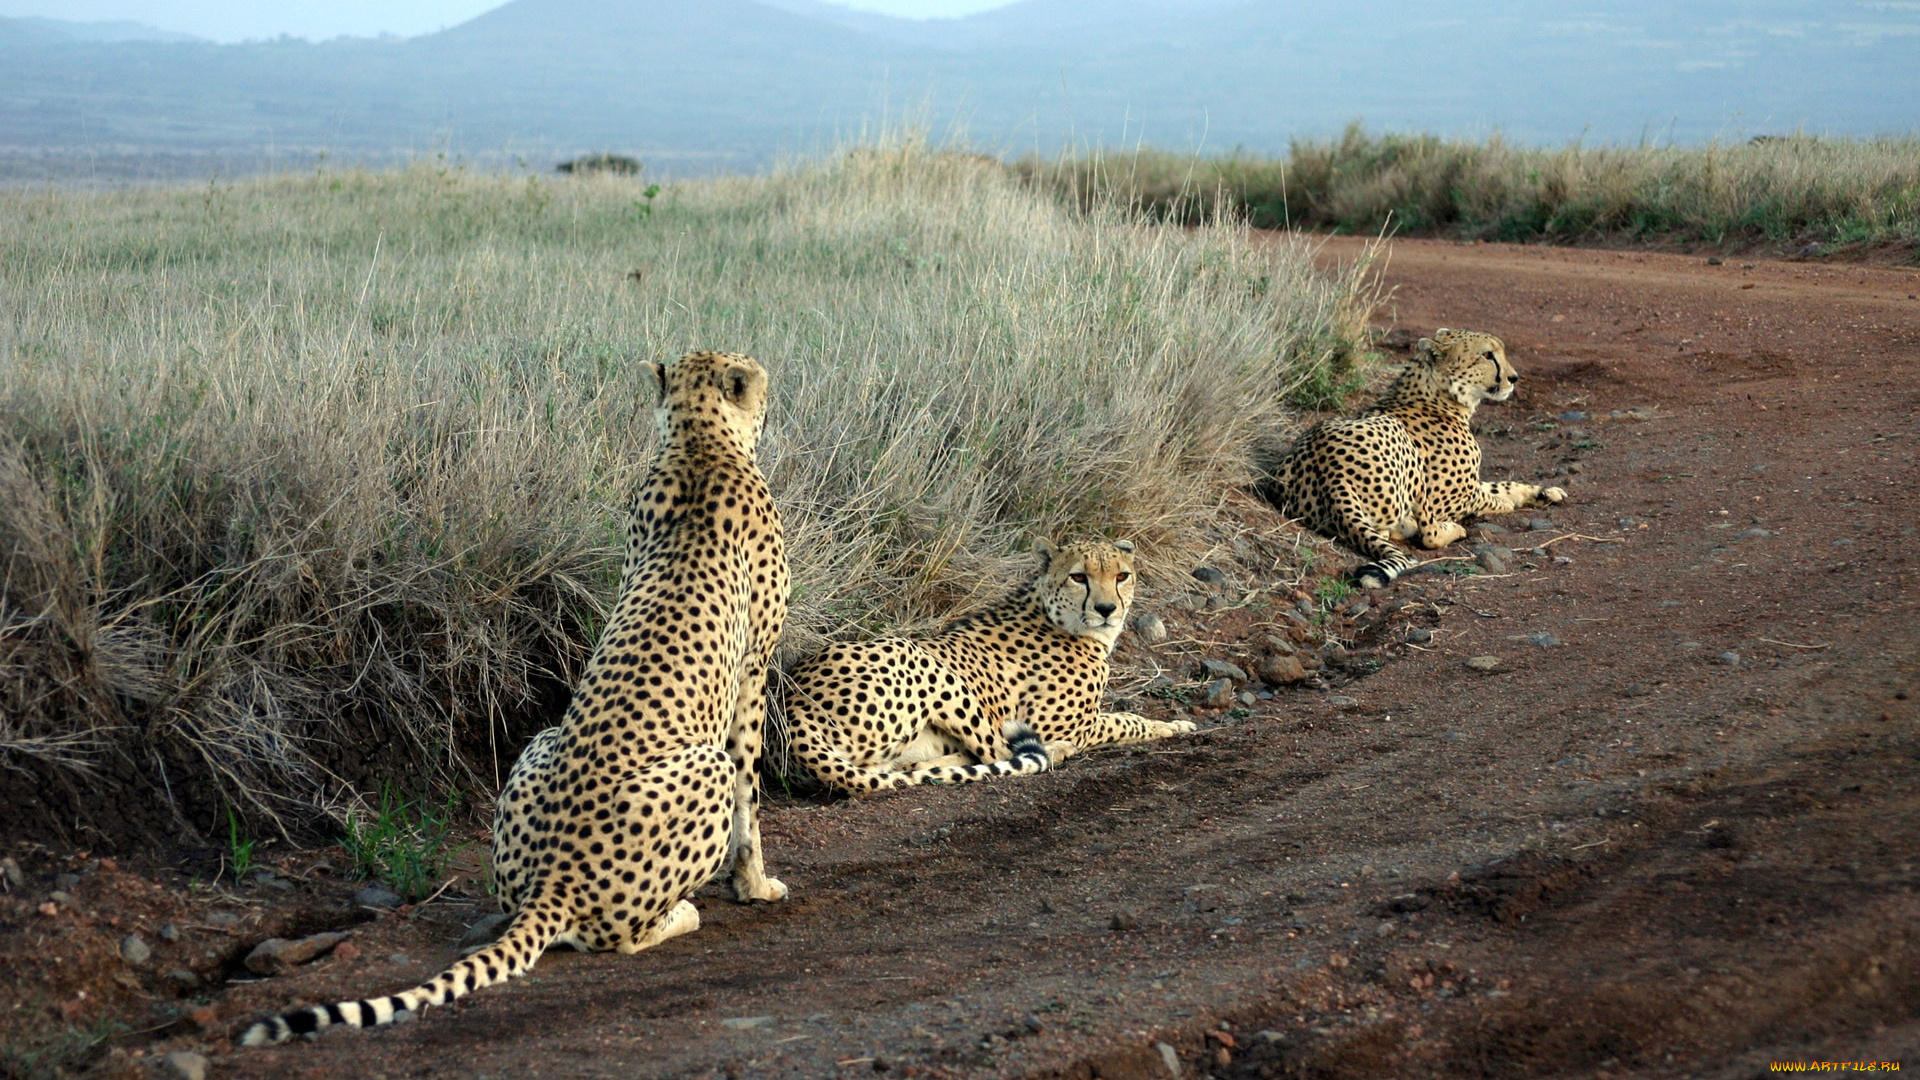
(1103,609)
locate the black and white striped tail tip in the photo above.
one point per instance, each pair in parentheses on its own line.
(311,1022)
(1025,743)
(1377,575)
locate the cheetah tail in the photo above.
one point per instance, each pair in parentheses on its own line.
(1029,756)
(1380,573)
(509,957)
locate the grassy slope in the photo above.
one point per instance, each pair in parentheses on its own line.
(310,480)
(1818,194)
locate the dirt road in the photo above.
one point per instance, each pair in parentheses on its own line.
(1672,832)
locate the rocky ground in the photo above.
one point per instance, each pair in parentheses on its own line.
(1624,788)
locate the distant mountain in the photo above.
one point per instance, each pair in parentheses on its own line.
(732,83)
(115,30)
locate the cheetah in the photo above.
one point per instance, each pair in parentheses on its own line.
(648,786)
(1004,692)
(1408,467)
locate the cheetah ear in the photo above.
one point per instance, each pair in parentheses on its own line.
(1124,545)
(735,382)
(1423,351)
(1045,550)
(659,384)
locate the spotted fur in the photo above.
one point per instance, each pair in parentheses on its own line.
(1409,467)
(1004,692)
(647,788)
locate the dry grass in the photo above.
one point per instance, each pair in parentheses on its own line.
(1813,192)
(315,480)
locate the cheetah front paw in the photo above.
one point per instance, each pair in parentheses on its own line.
(1060,751)
(1177,727)
(767,890)
(1553,494)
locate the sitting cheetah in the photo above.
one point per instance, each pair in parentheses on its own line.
(1409,466)
(648,786)
(1003,692)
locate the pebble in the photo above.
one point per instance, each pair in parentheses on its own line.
(222,919)
(1562,560)
(1492,528)
(484,931)
(183,980)
(1151,628)
(1573,416)
(61,897)
(1730,659)
(10,874)
(169,932)
(275,955)
(1222,669)
(1575,467)
(374,896)
(1282,670)
(67,881)
(1124,920)
(747,1023)
(1247,698)
(1539,524)
(1753,534)
(1342,701)
(1490,561)
(1219,693)
(134,950)
(1544,638)
(184,1065)
(1210,576)
(1170,1058)
(1635,689)
(1483,663)
(1419,635)
(1159,682)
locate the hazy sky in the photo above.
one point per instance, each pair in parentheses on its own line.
(238,20)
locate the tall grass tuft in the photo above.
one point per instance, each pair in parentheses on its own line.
(1811,192)
(313,481)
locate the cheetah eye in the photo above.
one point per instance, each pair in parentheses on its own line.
(1121,576)
(1077,579)
(1488,354)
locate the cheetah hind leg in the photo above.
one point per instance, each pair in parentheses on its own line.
(676,816)
(682,918)
(1506,496)
(1124,728)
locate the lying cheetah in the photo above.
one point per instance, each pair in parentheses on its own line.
(647,788)
(1003,692)
(1407,468)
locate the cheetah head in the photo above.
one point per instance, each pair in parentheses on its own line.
(1467,366)
(1087,587)
(713,388)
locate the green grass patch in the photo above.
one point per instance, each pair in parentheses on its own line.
(1817,194)
(403,844)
